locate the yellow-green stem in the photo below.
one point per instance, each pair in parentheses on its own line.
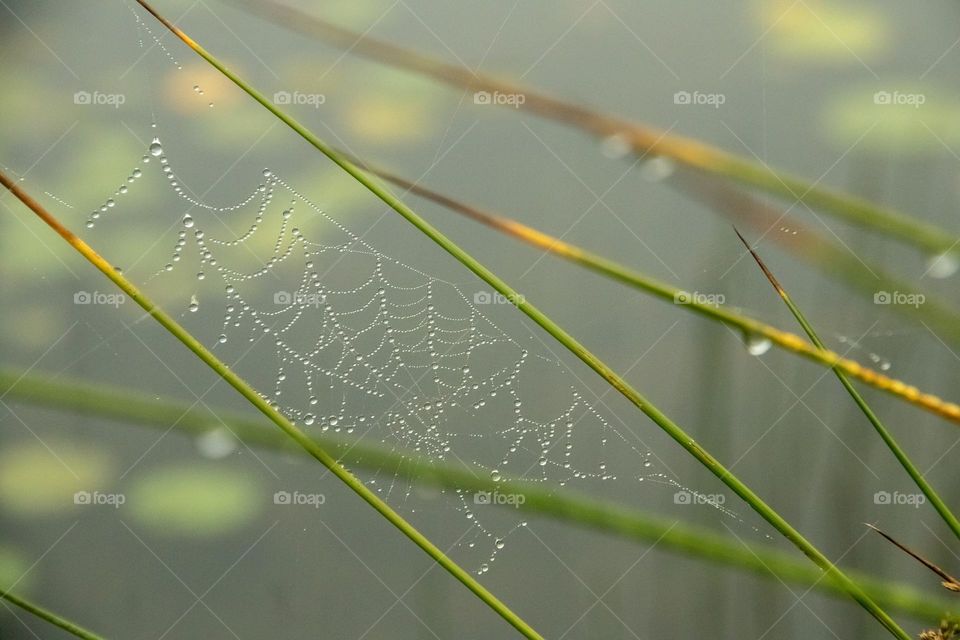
(625,275)
(51,617)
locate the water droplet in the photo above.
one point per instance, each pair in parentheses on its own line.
(187,221)
(615,146)
(194,304)
(216,443)
(309,419)
(499,543)
(156,149)
(495,475)
(222,338)
(757,345)
(943,265)
(657,169)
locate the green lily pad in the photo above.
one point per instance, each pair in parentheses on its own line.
(204,501)
(36,480)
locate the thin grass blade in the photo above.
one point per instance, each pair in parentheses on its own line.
(935,500)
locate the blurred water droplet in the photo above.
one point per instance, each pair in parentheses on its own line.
(616,146)
(943,265)
(194,304)
(187,221)
(156,149)
(657,169)
(216,443)
(757,345)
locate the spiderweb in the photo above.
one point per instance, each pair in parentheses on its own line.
(362,345)
(348,340)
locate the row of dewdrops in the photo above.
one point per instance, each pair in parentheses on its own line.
(155,150)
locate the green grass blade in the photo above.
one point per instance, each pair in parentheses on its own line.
(45,614)
(935,500)
(564,338)
(292,431)
(563,505)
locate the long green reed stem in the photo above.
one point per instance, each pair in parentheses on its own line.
(621,273)
(935,500)
(610,518)
(292,431)
(838,263)
(51,617)
(564,338)
(643,139)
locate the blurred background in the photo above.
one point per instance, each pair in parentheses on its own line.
(200,549)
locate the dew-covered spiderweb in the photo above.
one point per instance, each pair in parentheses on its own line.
(346,340)
(364,346)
